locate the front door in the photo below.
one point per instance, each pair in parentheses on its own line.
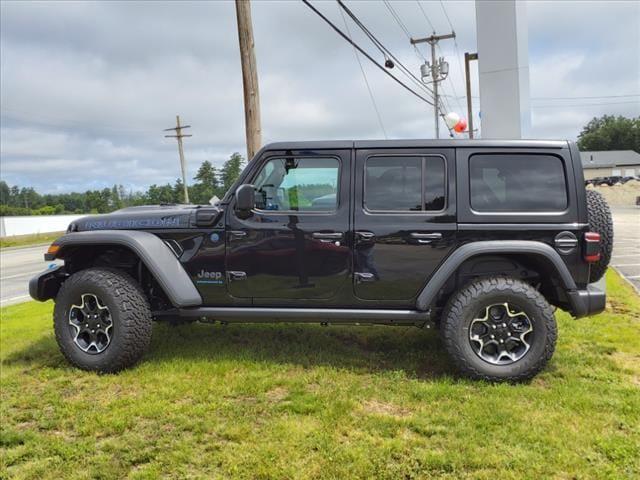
(404,221)
(293,244)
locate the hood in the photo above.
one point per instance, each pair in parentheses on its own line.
(149,217)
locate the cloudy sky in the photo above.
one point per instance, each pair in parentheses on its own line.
(88,87)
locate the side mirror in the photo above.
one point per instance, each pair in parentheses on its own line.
(245,198)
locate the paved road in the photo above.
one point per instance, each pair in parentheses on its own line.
(626,244)
(17,266)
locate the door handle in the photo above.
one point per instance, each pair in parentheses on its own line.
(425,238)
(327,236)
(237,233)
(237,275)
(362,277)
(365,235)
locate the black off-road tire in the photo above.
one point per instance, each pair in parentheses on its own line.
(129,311)
(464,305)
(600,221)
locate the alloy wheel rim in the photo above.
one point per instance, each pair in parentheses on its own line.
(501,334)
(90,324)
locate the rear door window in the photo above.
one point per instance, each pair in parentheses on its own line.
(517,183)
(404,183)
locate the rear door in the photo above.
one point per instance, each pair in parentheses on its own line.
(404,220)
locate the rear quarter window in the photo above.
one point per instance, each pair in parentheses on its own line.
(517,183)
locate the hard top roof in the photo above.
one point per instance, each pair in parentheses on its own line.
(415,143)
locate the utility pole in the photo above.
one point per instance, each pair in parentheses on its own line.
(249,78)
(467,59)
(179,135)
(438,70)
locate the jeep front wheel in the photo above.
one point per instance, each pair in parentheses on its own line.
(499,329)
(102,320)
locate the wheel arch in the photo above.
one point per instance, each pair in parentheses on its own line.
(151,250)
(547,262)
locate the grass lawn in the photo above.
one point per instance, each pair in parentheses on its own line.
(302,401)
(27,240)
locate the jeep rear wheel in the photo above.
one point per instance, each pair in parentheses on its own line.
(499,329)
(102,320)
(600,221)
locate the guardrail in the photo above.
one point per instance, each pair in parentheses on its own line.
(33,224)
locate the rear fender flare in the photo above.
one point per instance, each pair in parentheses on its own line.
(459,256)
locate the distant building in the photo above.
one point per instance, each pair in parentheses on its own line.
(625,163)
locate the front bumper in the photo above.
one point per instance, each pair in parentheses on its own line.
(590,301)
(45,285)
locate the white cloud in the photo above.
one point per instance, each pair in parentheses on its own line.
(88,87)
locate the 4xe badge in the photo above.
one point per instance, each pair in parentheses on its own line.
(215,278)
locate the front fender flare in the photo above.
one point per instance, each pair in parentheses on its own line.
(466,251)
(152,251)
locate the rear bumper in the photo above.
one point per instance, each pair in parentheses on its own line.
(45,285)
(590,301)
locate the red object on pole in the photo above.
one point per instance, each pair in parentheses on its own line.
(461,126)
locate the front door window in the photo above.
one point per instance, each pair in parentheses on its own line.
(298,185)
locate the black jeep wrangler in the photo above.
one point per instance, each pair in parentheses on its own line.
(482,239)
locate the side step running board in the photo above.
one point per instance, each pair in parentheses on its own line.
(308,315)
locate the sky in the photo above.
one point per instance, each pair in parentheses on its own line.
(86,88)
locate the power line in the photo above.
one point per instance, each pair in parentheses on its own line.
(426,17)
(446,15)
(364,76)
(439,71)
(604,104)
(457,55)
(453,88)
(584,98)
(404,28)
(371,59)
(559,105)
(444,102)
(397,18)
(63,122)
(385,51)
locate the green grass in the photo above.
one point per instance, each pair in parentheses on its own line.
(28,240)
(298,401)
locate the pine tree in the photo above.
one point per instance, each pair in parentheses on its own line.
(231,170)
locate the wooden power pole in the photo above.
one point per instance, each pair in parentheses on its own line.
(249,78)
(179,135)
(467,59)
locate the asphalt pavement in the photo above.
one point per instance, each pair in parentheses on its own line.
(626,244)
(17,266)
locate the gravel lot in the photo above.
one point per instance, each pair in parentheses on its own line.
(626,243)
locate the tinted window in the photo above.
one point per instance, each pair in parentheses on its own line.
(300,184)
(523,183)
(434,181)
(395,183)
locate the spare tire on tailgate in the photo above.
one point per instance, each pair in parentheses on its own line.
(600,221)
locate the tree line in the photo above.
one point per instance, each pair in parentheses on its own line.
(208,181)
(610,133)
